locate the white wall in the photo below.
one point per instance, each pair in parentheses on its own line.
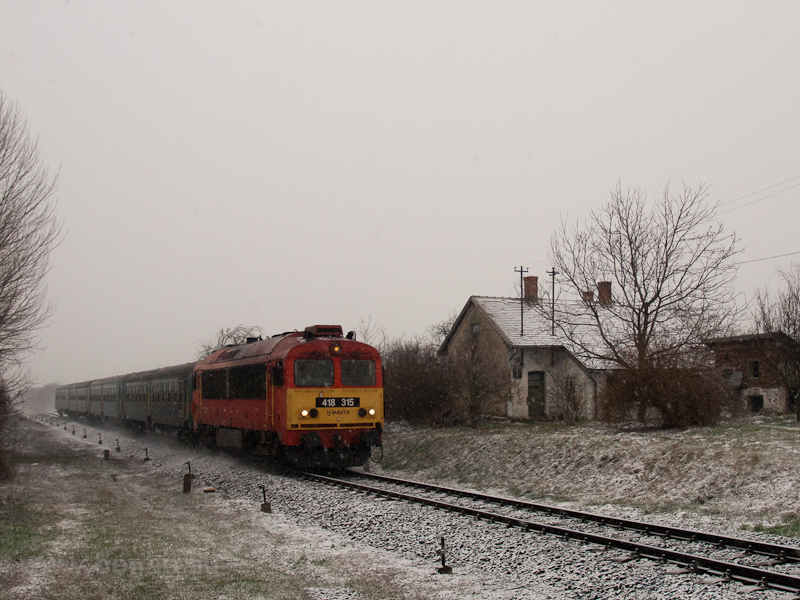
(557,364)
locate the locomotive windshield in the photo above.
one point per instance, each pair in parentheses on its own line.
(358,373)
(313,372)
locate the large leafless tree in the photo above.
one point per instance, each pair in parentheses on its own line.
(671,266)
(778,313)
(29,230)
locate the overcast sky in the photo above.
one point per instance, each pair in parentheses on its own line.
(289,163)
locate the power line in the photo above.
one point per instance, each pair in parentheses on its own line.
(759,199)
(769,187)
(744,262)
(537,263)
(759,191)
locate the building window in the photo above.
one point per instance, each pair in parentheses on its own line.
(476,328)
(753,369)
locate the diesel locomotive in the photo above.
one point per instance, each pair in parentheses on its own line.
(313,398)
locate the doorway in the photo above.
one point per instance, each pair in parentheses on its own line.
(536,394)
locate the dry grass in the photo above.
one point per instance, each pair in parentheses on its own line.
(78,527)
(96,529)
(746,469)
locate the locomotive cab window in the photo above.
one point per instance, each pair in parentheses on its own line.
(358,373)
(313,372)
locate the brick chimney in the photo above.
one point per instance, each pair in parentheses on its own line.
(588,296)
(604,292)
(531,288)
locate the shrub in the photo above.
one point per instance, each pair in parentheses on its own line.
(667,397)
(417,383)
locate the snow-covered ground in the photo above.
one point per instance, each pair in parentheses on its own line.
(742,473)
(721,479)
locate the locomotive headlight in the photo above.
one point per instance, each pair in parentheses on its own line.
(304,413)
(371,412)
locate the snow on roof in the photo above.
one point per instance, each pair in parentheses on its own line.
(537,326)
(505,313)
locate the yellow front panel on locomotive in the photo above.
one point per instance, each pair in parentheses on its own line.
(322,408)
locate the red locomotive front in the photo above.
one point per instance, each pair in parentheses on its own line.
(314,397)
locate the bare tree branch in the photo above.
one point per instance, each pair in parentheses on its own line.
(438,332)
(672,269)
(371,333)
(779,314)
(233,336)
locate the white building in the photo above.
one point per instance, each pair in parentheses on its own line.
(548,379)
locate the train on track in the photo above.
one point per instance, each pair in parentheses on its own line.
(313,398)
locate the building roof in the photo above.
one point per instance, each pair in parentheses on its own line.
(537,327)
(748,338)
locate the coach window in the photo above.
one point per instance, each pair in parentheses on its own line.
(358,373)
(313,372)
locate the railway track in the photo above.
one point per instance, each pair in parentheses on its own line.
(719,558)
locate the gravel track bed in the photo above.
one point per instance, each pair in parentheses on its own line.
(489,561)
(699,548)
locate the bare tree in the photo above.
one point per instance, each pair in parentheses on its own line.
(29,230)
(233,336)
(779,314)
(569,395)
(371,333)
(672,269)
(417,384)
(423,386)
(438,332)
(670,266)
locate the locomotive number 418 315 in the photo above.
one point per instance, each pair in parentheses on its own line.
(338,402)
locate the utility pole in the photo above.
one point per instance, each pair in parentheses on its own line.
(521,272)
(552,272)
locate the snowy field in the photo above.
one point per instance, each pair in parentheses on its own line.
(321,543)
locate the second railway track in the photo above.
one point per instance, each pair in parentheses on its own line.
(719,557)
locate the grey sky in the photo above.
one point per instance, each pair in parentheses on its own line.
(291,163)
